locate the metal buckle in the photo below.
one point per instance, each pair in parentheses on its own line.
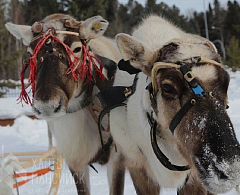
(127,92)
(189,76)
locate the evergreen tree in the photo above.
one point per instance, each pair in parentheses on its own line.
(111,17)
(10,48)
(232,21)
(36,10)
(3,42)
(151,6)
(233,52)
(83,9)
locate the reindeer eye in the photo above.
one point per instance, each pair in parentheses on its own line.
(77,49)
(169,89)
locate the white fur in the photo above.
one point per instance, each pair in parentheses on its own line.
(20,32)
(71,138)
(205,73)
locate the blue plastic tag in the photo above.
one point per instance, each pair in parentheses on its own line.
(198,90)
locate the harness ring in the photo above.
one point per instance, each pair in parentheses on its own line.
(193,101)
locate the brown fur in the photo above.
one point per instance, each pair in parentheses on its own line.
(143,183)
(82,189)
(117,187)
(193,187)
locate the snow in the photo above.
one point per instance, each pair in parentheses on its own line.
(31,135)
(10,108)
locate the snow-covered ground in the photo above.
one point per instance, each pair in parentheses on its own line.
(31,135)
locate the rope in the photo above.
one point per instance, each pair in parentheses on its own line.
(36,174)
(16,183)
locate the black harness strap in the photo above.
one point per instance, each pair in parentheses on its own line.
(111,68)
(117,94)
(182,112)
(111,98)
(126,66)
(100,118)
(159,154)
(186,180)
(91,165)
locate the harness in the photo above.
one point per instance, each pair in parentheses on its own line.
(117,96)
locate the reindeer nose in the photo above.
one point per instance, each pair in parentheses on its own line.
(50,108)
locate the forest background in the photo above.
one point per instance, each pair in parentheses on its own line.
(223,24)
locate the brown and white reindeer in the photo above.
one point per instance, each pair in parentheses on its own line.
(62,80)
(175,128)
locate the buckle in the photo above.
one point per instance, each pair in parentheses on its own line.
(189,76)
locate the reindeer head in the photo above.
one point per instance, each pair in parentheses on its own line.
(187,78)
(61,68)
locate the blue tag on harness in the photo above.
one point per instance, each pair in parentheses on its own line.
(198,90)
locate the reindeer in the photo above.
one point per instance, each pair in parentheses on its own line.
(175,129)
(63,87)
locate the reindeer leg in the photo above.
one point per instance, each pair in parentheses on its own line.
(142,183)
(116,174)
(81,181)
(50,140)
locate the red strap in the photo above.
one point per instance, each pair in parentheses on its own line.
(37,173)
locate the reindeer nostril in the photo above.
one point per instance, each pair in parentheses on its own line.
(37,111)
(218,169)
(59,106)
(222,175)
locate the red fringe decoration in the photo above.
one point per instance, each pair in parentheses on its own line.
(23,95)
(83,70)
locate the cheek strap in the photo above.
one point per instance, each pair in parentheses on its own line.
(159,154)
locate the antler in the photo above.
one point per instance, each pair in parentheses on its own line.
(157,66)
(72,23)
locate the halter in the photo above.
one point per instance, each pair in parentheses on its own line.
(198,92)
(78,68)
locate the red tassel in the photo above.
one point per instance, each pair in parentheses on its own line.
(23,95)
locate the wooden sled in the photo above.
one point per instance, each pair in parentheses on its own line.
(27,160)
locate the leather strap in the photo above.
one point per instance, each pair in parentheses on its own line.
(182,112)
(159,154)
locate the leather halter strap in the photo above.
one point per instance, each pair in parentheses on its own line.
(159,154)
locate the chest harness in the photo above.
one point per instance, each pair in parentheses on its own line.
(118,95)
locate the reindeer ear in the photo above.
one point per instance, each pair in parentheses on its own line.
(20,32)
(140,55)
(93,27)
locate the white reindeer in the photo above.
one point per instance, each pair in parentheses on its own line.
(203,138)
